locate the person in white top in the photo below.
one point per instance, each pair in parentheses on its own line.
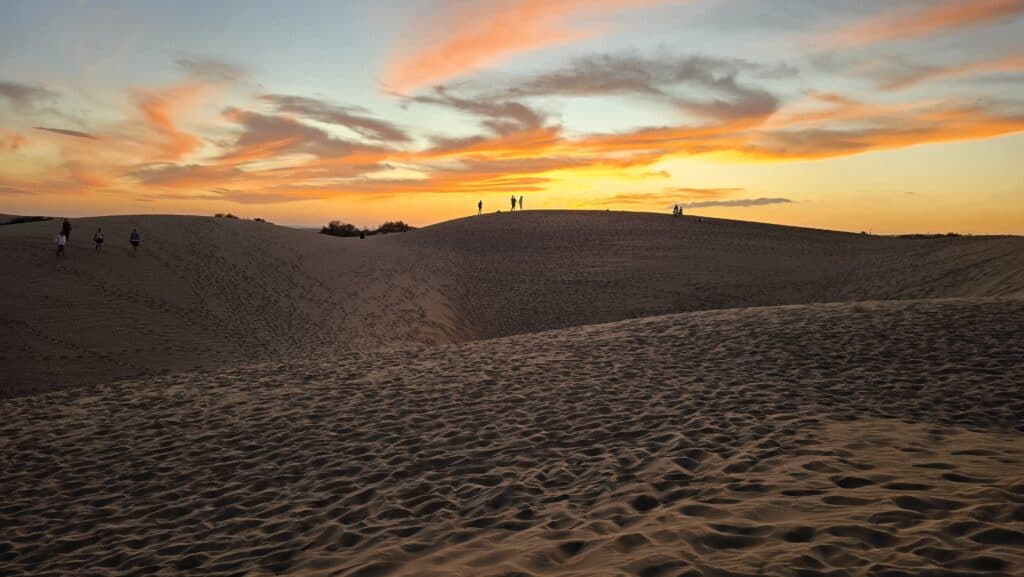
(62,241)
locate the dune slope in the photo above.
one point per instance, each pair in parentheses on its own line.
(875,438)
(540,270)
(203,292)
(209,292)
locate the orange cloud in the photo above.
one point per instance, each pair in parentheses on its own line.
(11,141)
(915,23)
(159,108)
(472,37)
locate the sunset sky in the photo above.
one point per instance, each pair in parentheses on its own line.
(854,115)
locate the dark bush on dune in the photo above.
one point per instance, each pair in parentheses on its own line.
(938,235)
(338,228)
(24,219)
(394,226)
(224,215)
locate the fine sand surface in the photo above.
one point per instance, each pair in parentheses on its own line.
(531,395)
(209,292)
(874,438)
(202,292)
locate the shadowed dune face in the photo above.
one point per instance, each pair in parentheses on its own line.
(841,439)
(208,292)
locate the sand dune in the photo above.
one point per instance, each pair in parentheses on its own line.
(551,269)
(533,395)
(211,292)
(203,292)
(874,438)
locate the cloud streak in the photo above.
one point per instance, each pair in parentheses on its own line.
(908,23)
(23,96)
(69,132)
(353,118)
(737,203)
(469,36)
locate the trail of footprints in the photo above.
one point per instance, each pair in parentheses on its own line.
(724,443)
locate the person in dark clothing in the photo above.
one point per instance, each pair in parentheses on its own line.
(66,229)
(98,239)
(135,239)
(480,207)
(513,203)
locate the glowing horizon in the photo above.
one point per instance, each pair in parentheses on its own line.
(830,115)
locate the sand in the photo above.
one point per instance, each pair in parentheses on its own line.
(209,292)
(770,437)
(202,293)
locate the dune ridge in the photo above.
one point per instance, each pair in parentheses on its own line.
(211,292)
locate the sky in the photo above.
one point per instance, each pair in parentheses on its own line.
(889,117)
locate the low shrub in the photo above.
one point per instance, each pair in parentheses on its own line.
(338,228)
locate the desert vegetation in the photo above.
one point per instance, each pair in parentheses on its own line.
(338,228)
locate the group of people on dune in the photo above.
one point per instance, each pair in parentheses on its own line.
(480,204)
(64,238)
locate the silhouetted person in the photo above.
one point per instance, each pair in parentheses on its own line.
(66,229)
(62,241)
(135,239)
(680,210)
(520,203)
(479,207)
(513,203)
(98,239)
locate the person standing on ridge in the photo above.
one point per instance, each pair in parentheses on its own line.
(520,203)
(513,203)
(479,207)
(66,230)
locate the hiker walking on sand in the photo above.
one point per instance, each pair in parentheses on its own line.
(98,239)
(62,241)
(513,203)
(66,230)
(479,207)
(135,239)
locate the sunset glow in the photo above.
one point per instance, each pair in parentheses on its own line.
(838,114)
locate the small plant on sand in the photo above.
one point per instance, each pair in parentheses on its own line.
(338,228)
(394,226)
(224,215)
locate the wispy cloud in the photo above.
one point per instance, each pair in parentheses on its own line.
(159,108)
(354,118)
(906,23)
(11,141)
(664,76)
(739,202)
(13,191)
(897,74)
(211,70)
(467,36)
(23,96)
(706,192)
(69,132)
